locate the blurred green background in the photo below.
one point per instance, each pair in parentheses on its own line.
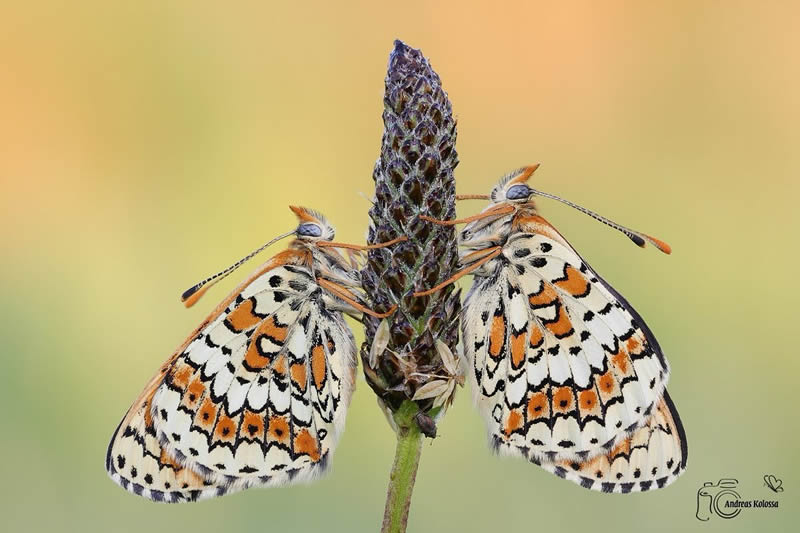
(144,146)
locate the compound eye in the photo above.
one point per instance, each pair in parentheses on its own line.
(518,192)
(309,230)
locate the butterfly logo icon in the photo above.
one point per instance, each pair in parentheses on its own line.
(774,484)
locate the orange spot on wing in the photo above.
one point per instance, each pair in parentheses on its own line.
(242,317)
(546,296)
(606,382)
(536,337)
(278,429)
(180,378)
(562,325)
(620,360)
(298,372)
(304,442)
(538,406)
(634,346)
(206,415)
(193,393)
(318,365)
(517,350)
(575,283)
(497,335)
(252,426)
(225,429)
(280,365)
(276,334)
(253,357)
(513,423)
(563,399)
(270,327)
(587,400)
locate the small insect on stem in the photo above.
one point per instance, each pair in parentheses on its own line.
(426,424)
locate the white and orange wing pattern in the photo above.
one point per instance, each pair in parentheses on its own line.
(650,458)
(257,396)
(565,372)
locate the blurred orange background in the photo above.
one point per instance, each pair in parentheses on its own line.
(146,145)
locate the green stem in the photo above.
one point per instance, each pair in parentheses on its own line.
(404,470)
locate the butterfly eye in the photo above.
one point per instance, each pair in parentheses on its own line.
(309,230)
(518,192)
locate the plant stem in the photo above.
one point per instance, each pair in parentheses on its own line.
(404,469)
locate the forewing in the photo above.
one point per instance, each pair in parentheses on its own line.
(258,395)
(563,367)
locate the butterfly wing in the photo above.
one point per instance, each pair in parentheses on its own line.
(563,368)
(136,461)
(257,396)
(651,457)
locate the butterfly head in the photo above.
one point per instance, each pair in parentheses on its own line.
(312,225)
(513,188)
(509,196)
(512,194)
(506,199)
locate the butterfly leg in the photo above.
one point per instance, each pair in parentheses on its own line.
(491,254)
(349,297)
(472,197)
(331,244)
(498,210)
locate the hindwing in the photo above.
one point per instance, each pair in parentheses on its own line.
(651,457)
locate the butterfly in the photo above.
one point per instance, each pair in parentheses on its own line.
(773,483)
(257,395)
(564,370)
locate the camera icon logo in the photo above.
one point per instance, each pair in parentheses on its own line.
(712,497)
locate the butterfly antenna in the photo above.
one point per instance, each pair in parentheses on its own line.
(636,236)
(193,293)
